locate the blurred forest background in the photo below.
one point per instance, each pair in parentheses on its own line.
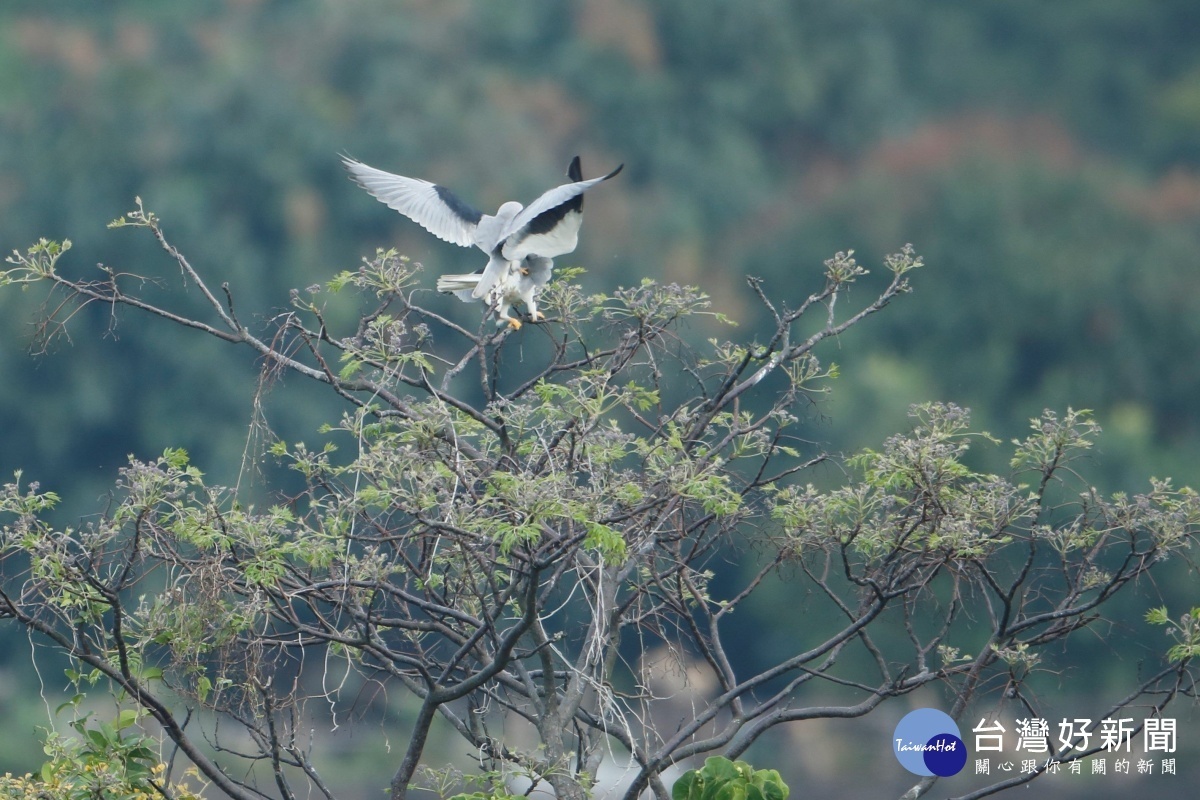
(1044,158)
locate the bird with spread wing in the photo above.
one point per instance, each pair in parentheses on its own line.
(521,241)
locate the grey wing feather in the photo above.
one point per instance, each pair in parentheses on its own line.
(496,268)
(433,207)
(549,226)
(539,269)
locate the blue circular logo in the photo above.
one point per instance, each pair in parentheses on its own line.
(927,742)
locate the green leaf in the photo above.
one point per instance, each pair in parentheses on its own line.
(1157,616)
(176,458)
(99,740)
(72,703)
(682,788)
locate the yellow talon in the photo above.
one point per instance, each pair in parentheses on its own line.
(515,324)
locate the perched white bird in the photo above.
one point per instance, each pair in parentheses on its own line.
(521,241)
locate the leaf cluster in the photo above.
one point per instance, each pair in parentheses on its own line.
(722,779)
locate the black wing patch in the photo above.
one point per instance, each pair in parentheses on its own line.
(545,222)
(461,210)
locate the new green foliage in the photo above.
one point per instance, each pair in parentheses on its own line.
(722,779)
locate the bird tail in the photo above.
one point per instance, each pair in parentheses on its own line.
(460,286)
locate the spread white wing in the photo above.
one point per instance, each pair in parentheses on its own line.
(549,226)
(435,208)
